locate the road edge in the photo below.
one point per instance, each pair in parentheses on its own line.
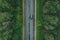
(23,18)
(35,19)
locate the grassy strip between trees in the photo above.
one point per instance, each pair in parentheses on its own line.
(38,21)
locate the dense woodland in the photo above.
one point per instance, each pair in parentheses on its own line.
(11,19)
(48,20)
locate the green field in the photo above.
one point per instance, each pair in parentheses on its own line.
(11,20)
(38,20)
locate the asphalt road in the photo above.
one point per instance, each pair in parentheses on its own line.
(29,19)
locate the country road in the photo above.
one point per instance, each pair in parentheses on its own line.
(29,11)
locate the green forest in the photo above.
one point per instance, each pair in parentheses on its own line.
(11,19)
(48,20)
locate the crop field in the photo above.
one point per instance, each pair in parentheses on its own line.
(11,20)
(48,20)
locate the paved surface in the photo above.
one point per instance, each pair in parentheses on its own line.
(29,19)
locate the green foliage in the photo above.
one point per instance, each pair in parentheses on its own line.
(48,16)
(11,20)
